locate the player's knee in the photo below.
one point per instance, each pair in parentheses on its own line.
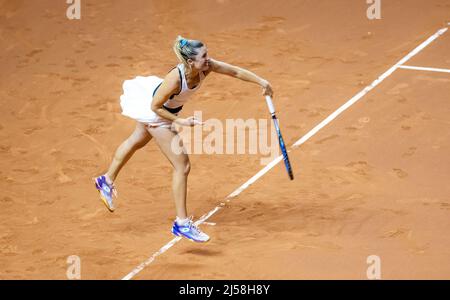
(187,168)
(184,168)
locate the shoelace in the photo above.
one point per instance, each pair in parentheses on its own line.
(193,226)
(112,188)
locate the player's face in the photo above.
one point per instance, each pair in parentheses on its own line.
(201,61)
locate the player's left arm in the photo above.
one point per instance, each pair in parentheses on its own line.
(240,73)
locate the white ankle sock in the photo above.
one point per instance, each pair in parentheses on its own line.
(182,222)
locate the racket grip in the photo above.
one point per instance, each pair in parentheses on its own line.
(270,104)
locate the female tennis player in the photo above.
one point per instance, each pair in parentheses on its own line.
(155,103)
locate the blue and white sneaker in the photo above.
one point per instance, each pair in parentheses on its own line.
(107,191)
(190,231)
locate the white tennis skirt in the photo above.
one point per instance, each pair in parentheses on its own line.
(136,101)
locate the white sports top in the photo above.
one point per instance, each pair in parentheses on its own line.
(178,100)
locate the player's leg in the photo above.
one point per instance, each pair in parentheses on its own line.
(104,183)
(180,163)
(138,139)
(170,144)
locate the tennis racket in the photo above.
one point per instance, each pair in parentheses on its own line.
(280,137)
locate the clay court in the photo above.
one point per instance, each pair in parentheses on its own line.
(372,181)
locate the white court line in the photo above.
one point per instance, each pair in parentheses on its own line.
(425,69)
(306,137)
(369,87)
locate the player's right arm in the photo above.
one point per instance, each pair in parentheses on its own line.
(170,86)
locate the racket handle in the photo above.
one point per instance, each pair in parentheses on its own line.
(270,104)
